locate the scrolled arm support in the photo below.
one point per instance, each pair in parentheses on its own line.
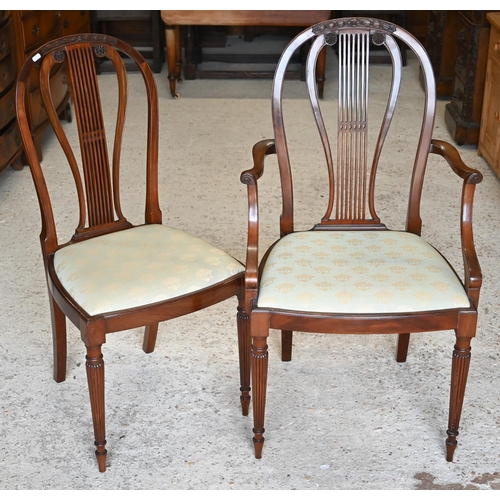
(249,177)
(471,177)
(452,156)
(259,152)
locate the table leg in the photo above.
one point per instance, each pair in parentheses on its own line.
(191,55)
(320,72)
(320,68)
(174,61)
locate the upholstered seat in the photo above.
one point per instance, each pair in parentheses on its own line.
(358,272)
(139,266)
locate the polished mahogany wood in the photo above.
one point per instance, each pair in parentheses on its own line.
(97,181)
(351,203)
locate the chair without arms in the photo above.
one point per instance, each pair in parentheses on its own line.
(113,275)
(327,279)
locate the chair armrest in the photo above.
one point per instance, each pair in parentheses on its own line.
(471,177)
(452,156)
(249,177)
(259,152)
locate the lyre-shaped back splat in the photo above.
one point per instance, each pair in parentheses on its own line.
(92,135)
(355,182)
(352,154)
(98,191)
(352,174)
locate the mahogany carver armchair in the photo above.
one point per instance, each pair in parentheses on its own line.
(350,274)
(113,275)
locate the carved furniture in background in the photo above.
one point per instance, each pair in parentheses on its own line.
(10,140)
(112,275)
(75,21)
(441,45)
(21,32)
(489,137)
(350,274)
(418,23)
(463,113)
(31,30)
(142,29)
(176,19)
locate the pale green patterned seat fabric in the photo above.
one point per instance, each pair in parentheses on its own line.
(140,266)
(358,272)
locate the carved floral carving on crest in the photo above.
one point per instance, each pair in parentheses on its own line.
(86,37)
(330,28)
(354,22)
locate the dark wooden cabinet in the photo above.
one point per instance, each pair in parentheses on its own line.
(463,113)
(33,28)
(21,33)
(441,45)
(10,139)
(75,21)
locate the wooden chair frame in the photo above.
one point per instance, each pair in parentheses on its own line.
(343,216)
(104,210)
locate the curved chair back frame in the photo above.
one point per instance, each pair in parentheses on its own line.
(352,180)
(141,284)
(97,213)
(329,279)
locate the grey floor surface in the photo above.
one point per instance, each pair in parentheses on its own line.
(343,415)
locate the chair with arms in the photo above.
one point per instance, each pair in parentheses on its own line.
(113,275)
(350,274)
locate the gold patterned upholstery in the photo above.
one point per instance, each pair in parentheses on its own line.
(358,272)
(140,266)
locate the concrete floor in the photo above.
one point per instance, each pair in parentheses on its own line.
(343,415)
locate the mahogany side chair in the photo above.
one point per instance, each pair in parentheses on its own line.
(349,273)
(112,275)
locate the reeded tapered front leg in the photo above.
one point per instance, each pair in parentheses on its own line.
(286,345)
(259,384)
(244,347)
(58,341)
(459,372)
(95,377)
(150,334)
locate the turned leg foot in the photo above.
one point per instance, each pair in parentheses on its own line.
(451,445)
(171,81)
(259,382)
(459,372)
(258,442)
(18,163)
(95,377)
(173,41)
